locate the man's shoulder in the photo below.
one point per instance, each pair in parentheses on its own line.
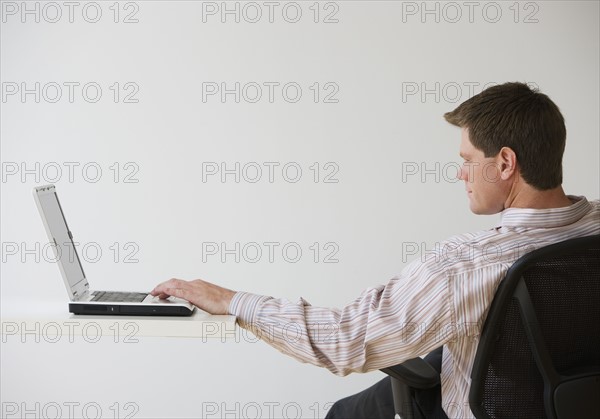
(479,250)
(464,251)
(501,245)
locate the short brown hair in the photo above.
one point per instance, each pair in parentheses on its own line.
(516,116)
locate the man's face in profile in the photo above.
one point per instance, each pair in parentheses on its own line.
(486,191)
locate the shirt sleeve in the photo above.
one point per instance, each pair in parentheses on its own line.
(409,316)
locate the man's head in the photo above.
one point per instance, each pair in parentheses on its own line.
(510,134)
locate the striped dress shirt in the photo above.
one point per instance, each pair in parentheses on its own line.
(439,299)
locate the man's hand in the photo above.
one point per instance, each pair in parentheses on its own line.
(204,295)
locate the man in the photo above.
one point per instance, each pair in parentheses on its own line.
(512,142)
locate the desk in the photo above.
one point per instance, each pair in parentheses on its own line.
(51,320)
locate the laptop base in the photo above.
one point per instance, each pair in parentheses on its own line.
(130,310)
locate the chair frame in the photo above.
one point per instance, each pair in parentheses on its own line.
(564,396)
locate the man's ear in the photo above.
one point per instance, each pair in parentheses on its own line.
(507,162)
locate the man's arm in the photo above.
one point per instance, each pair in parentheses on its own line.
(385,325)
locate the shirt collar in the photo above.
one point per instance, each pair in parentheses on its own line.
(546,218)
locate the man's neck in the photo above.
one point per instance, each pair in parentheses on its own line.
(529,197)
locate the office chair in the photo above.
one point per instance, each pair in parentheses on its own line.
(539,350)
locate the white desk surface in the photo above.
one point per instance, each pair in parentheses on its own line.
(53,318)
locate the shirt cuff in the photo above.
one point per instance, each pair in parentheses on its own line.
(244,307)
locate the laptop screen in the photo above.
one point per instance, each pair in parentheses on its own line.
(62,240)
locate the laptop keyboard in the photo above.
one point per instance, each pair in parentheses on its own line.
(119,297)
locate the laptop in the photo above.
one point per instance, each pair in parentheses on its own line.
(83,300)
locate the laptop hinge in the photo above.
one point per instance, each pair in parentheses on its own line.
(82,296)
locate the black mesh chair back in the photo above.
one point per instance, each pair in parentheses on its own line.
(539,352)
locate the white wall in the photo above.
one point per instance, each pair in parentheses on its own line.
(374,134)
